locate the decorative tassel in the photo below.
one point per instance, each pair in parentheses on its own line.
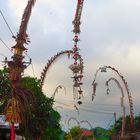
(12,132)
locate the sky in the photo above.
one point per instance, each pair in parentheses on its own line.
(109,36)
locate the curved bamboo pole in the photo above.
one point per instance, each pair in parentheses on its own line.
(16,68)
(76,22)
(22,36)
(56,90)
(73,118)
(50,62)
(122,103)
(85,121)
(131,109)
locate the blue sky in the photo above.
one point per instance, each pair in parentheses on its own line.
(109,36)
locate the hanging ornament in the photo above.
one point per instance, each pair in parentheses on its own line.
(13,111)
(77,66)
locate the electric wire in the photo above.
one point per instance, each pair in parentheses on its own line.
(96,111)
(12,36)
(107,127)
(13,53)
(2,55)
(31,64)
(5,45)
(90,104)
(88,110)
(109,122)
(94,104)
(7,24)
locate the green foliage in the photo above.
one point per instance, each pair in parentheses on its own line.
(137,122)
(116,129)
(118,125)
(74,133)
(102,138)
(101,133)
(5,88)
(43,120)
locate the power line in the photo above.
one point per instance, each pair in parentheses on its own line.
(90,104)
(14,37)
(95,104)
(108,126)
(2,54)
(96,111)
(88,110)
(13,53)
(109,122)
(7,24)
(31,64)
(5,45)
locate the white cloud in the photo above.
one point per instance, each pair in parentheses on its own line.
(17,7)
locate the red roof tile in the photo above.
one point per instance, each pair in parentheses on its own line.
(87,133)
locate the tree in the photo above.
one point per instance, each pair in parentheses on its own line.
(74,133)
(43,120)
(116,129)
(100,133)
(5,88)
(137,122)
(77,133)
